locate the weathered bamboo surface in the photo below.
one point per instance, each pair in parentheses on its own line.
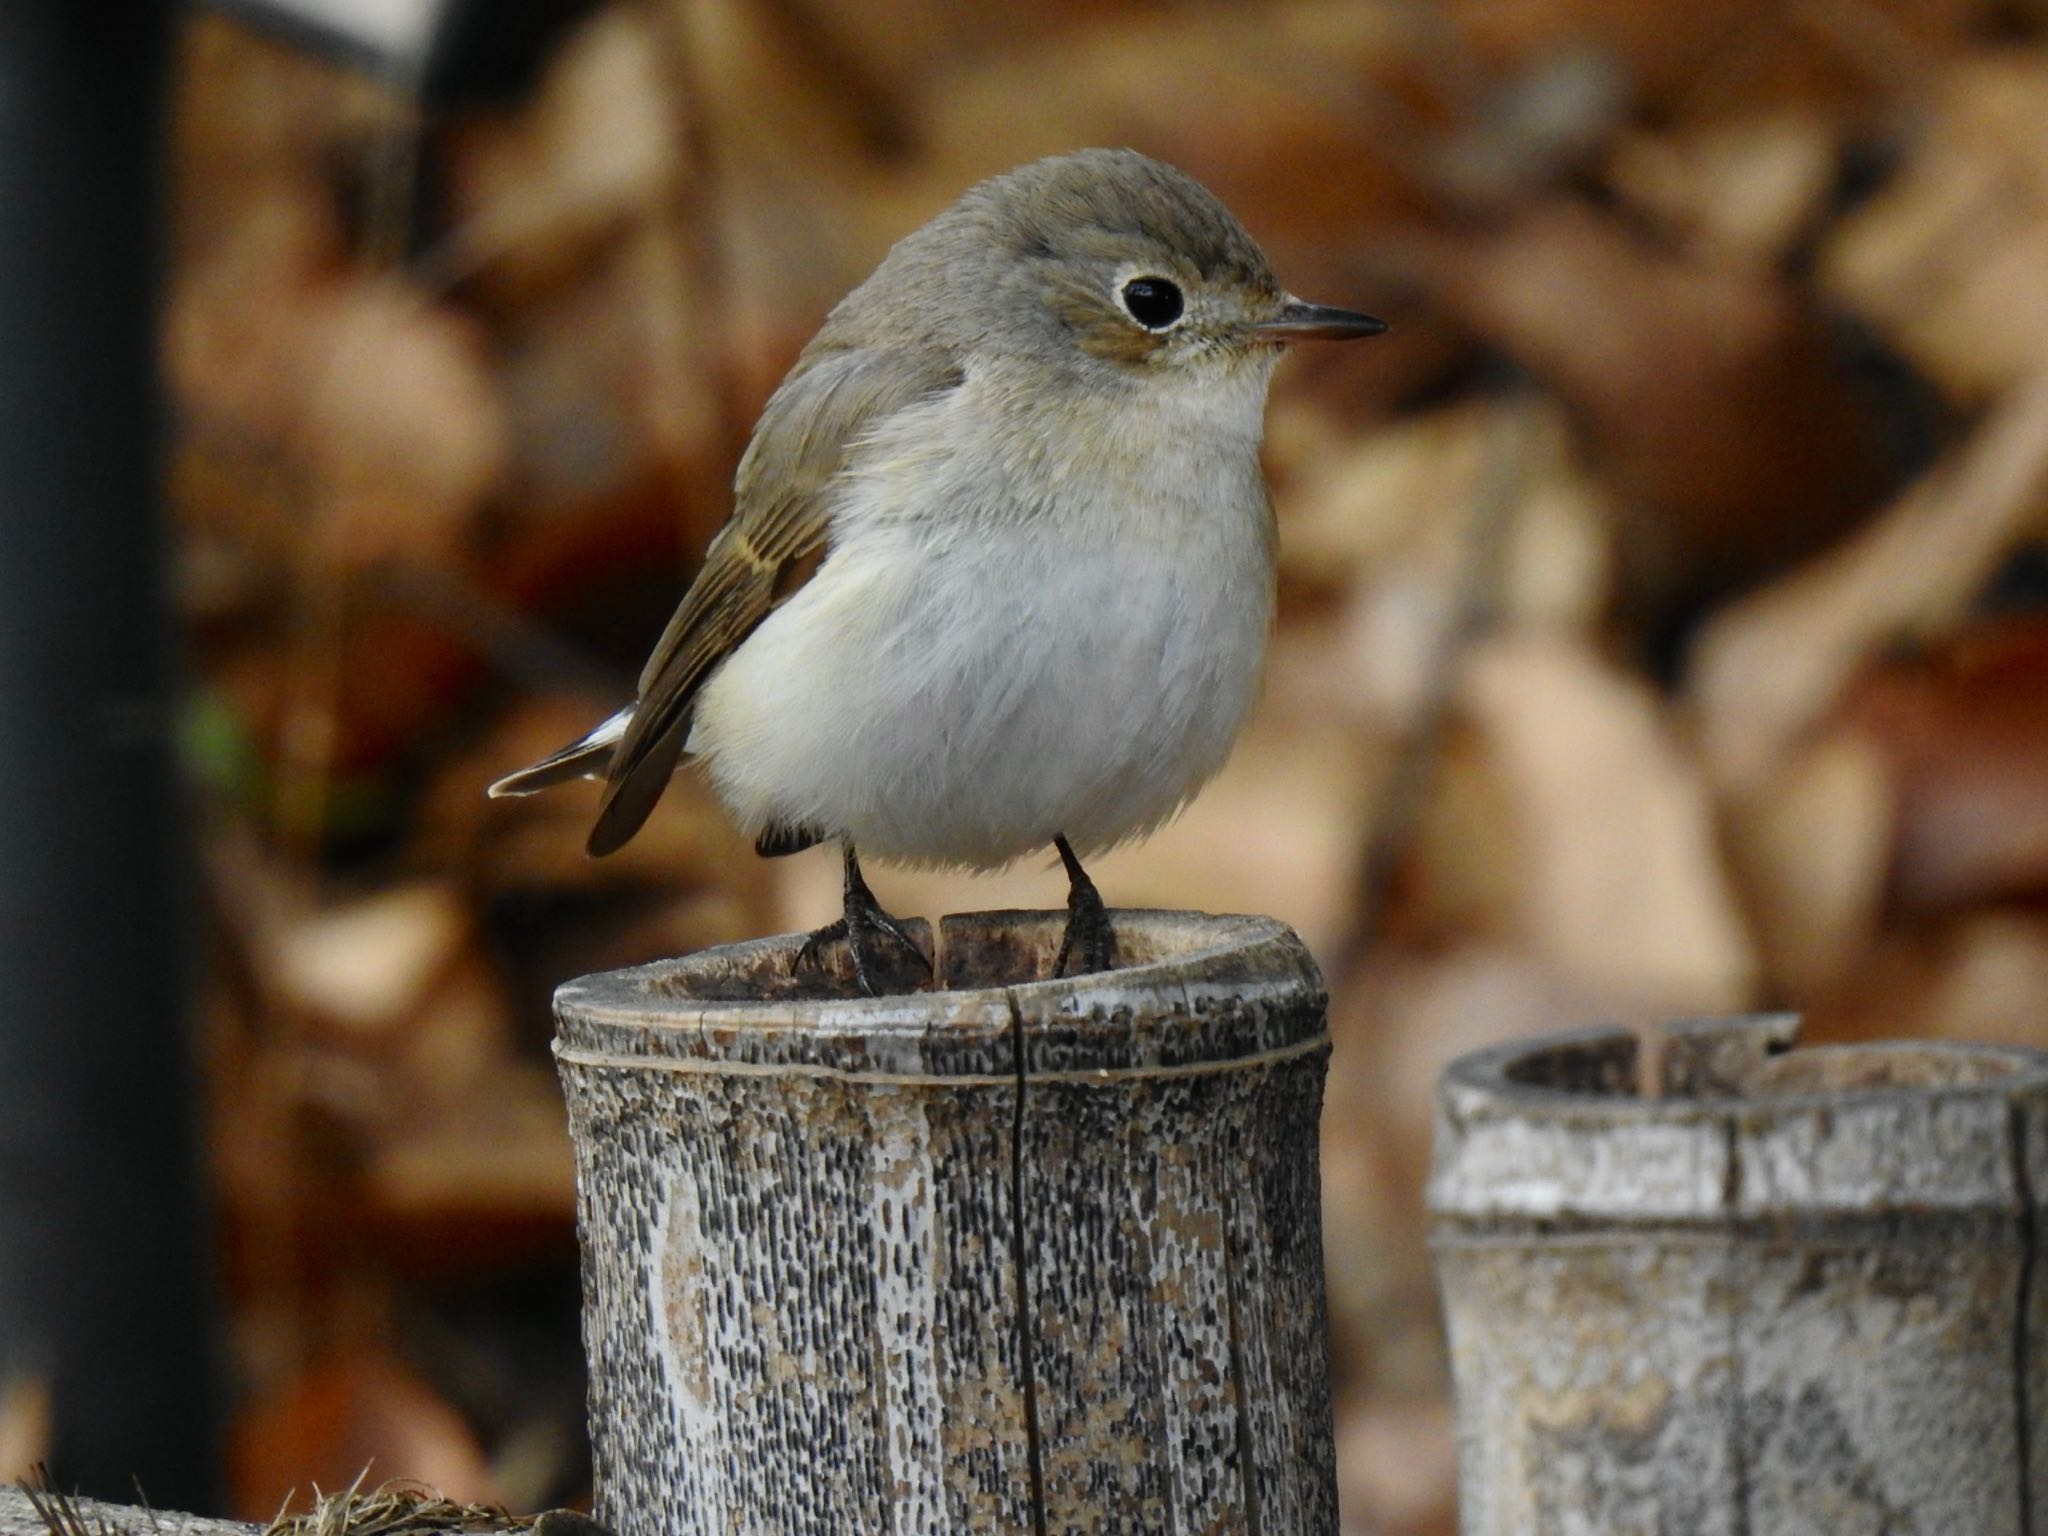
(1797,1293)
(1008,1255)
(18,1517)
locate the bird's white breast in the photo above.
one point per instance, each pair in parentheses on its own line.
(1024,628)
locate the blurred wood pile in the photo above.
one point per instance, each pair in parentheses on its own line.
(1664,621)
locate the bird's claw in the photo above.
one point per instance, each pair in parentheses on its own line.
(859,930)
(812,954)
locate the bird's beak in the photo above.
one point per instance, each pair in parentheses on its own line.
(1299,321)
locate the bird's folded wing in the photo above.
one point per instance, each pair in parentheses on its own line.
(781,517)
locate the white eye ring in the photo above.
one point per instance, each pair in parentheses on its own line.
(1156,303)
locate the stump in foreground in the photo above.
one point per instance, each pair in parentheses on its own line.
(1793,1293)
(1006,1255)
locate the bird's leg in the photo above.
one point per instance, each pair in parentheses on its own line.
(863,927)
(1089,939)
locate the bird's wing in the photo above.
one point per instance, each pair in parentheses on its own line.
(781,516)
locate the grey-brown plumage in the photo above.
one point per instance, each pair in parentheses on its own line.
(902,335)
(1022,461)
(779,518)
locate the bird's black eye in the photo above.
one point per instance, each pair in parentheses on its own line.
(1153,302)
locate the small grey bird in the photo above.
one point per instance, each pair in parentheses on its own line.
(999,572)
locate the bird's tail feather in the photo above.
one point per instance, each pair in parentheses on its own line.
(584,759)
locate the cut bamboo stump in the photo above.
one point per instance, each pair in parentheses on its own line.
(1798,1293)
(1009,1255)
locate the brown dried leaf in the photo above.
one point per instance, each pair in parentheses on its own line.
(1395,516)
(1733,191)
(1711,399)
(1349,505)
(1981,978)
(231,343)
(369,965)
(364,1410)
(1948,260)
(1767,668)
(1304,131)
(1406,1013)
(1965,729)
(1812,846)
(1618,883)
(538,196)
(459,1041)
(1994,981)
(489,1171)
(1706,59)
(398,420)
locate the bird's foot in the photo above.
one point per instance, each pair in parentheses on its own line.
(1089,942)
(870,935)
(870,941)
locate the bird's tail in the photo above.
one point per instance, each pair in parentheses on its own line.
(584,759)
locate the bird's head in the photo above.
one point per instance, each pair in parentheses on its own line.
(1104,258)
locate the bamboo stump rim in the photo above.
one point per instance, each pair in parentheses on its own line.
(1744,1126)
(1187,1001)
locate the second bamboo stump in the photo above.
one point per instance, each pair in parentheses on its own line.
(1011,1255)
(1795,1293)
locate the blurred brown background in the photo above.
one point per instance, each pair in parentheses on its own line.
(1664,620)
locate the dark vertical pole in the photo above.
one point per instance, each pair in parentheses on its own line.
(104,1273)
